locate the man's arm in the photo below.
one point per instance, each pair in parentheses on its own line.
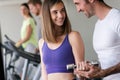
(105,72)
(111,70)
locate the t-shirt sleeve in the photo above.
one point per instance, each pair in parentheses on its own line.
(30,21)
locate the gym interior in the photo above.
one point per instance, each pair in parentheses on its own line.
(11,20)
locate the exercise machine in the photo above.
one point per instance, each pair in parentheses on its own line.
(31,58)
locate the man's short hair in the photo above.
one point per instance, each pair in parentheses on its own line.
(34,2)
(98,0)
(101,0)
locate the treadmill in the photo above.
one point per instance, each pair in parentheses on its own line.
(31,57)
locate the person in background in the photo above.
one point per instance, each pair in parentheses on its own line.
(28,36)
(106,40)
(35,8)
(59,45)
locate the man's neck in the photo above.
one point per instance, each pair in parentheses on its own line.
(101,10)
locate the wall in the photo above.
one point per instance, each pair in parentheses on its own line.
(11,20)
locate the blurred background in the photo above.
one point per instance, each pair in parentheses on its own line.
(11,20)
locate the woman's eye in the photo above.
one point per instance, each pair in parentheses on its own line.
(55,12)
(63,10)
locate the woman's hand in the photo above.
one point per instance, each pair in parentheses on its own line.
(18,44)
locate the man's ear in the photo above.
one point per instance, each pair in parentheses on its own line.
(91,1)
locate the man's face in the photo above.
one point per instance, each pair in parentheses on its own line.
(84,6)
(34,9)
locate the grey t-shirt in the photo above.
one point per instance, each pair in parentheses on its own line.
(38,27)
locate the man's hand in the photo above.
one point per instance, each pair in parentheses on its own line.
(87,70)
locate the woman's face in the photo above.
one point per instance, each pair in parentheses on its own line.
(58,14)
(24,11)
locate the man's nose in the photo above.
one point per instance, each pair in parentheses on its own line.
(79,10)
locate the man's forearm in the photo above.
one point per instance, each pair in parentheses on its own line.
(111,70)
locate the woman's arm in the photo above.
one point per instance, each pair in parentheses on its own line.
(43,68)
(27,36)
(28,33)
(77,47)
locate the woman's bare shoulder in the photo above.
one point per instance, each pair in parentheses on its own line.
(74,34)
(41,41)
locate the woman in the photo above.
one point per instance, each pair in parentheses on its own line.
(28,35)
(59,45)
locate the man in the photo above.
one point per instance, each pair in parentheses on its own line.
(106,40)
(35,8)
